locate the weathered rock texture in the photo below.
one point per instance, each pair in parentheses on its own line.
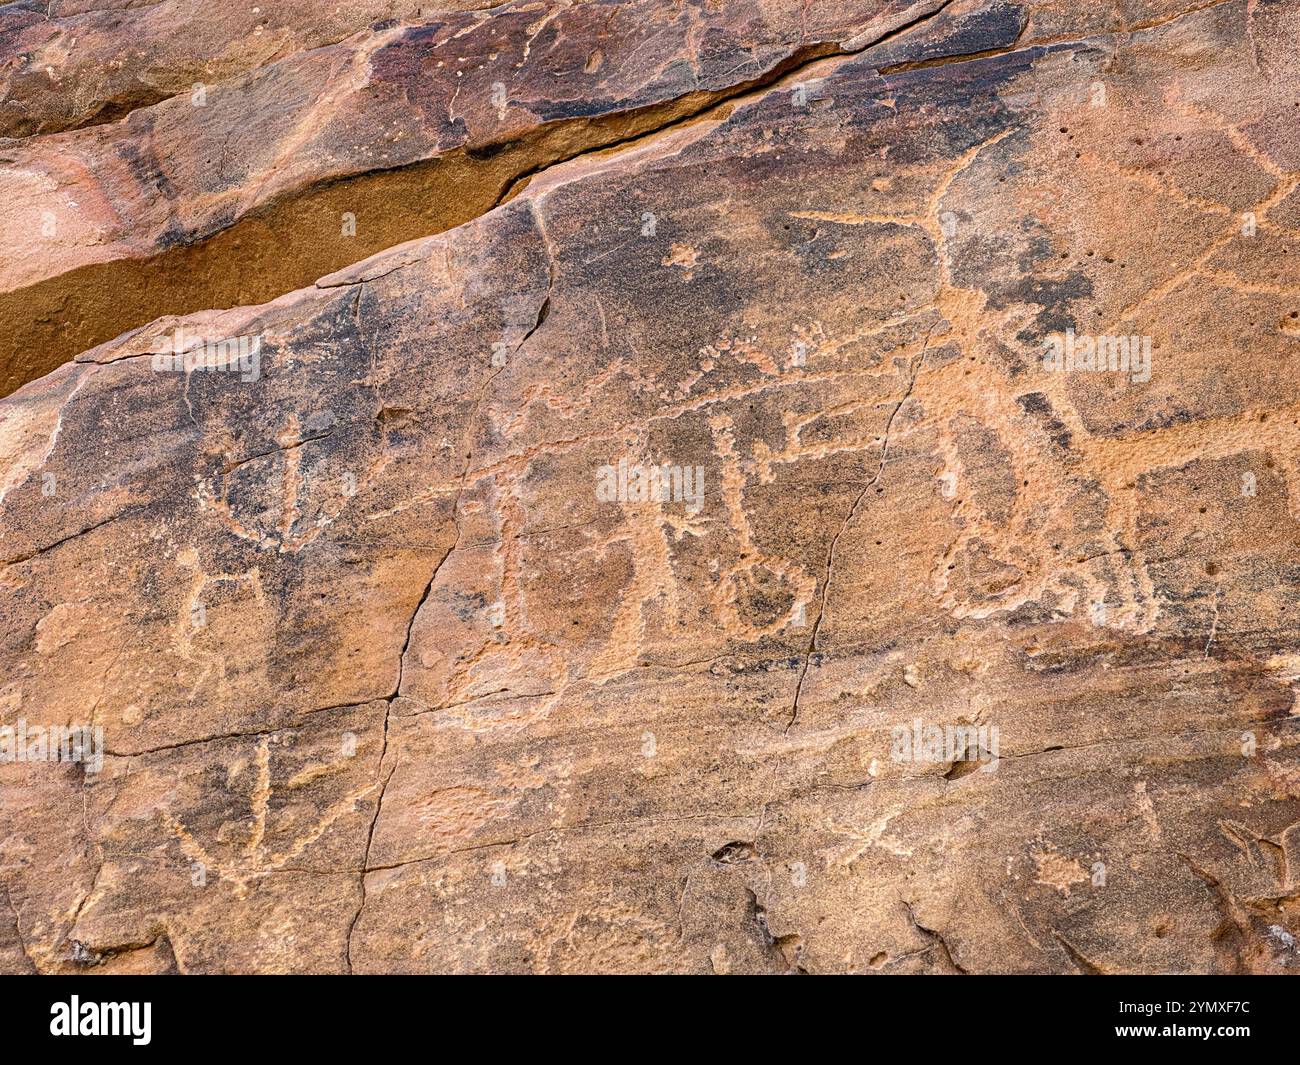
(387,686)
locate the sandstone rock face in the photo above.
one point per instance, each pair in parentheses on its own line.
(305,165)
(933,655)
(72,64)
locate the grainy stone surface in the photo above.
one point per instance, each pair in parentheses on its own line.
(386,683)
(66,65)
(408,128)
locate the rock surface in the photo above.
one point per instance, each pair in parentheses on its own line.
(388,683)
(304,165)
